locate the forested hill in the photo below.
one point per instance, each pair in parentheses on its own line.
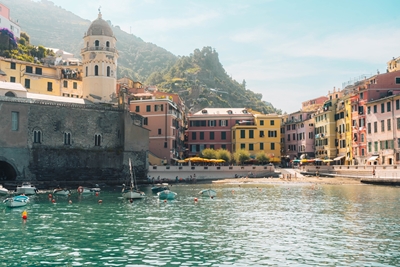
(51,26)
(201,81)
(199,78)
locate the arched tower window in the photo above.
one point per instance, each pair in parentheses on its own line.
(108,71)
(67,138)
(108,44)
(97,43)
(10,94)
(96,70)
(97,140)
(37,136)
(87,70)
(87,44)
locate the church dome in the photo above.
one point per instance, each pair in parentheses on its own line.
(100,27)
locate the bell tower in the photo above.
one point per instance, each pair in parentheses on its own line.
(99,59)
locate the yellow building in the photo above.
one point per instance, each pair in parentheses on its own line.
(43,79)
(260,135)
(343,129)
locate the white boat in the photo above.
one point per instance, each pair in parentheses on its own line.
(208,192)
(27,189)
(16,201)
(84,190)
(3,191)
(166,195)
(132,192)
(61,192)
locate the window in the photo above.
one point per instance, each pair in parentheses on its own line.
(272,122)
(223,146)
(107,44)
(65,84)
(369,147)
(261,122)
(362,138)
(388,106)
(398,124)
(382,125)
(14,120)
(146,121)
(193,136)
(10,94)
(383,108)
(137,109)
(86,71)
(165,144)
(67,138)
(211,135)
(368,110)
(97,140)
(251,146)
(212,123)
(75,85)
(397,80)
(361,95)
(13,66)
(96,70)
(108,71)
(397,104)
(288,137)
(375,126)
(261,133)
(389,124)
(223,123)
(37,136)
(223,135)
(272,146)
(96,43)
(28,69)
(159,131)
(148,108)
(242,134)
(27,83)
(38,71)
(49,86)
(261,146)
(369,127)
(201,135)
(12,79)
(242,146)
(251,133)
(375,109)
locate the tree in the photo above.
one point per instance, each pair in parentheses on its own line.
(224,154)
(209,153)
(241,156)
(262,158)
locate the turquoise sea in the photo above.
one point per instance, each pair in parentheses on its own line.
(245,225)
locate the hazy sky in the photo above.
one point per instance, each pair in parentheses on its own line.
(288,50)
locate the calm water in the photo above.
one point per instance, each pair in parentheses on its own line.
(250,225)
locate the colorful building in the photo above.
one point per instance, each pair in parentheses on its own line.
(7,22)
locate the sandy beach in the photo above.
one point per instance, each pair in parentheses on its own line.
(306,179)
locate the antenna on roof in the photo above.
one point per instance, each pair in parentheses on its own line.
(99,9)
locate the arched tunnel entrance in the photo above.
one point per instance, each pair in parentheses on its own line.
(7,172)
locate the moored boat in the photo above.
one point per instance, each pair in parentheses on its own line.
(84,190)
(160,187)
(16,201)
(27,189)
(3,191)
(132,192)
(61,192)
(208,192)
(166,195)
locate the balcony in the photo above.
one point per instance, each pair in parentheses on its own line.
(98,48)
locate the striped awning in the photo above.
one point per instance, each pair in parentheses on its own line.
(339,158)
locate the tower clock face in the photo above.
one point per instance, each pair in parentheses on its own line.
(92,55)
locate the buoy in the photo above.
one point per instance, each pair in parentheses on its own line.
(53,200)
(50,195)
(24,215)
(131,200)
(212,197)
(97,194)
(195,199)
(100,201)
(165,200)
(70,201)
(233,191)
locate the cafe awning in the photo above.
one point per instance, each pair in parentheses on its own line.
(339,158)
(373,158)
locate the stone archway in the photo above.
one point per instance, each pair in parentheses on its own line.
(7,172)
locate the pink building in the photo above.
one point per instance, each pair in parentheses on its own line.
(211,128)
(7,22)
(383,131)
(299,135)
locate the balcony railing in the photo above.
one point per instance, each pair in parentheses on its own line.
(98,48)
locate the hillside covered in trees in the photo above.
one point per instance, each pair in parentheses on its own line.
(199,78)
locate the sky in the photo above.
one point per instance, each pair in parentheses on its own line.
(290,51)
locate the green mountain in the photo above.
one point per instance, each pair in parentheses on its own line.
(199,78)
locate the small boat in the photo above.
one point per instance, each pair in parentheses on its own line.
(16,201)
(132,192)
(160,187)
(61,192)
(27,189)
(95,189)
(166,195)
(3,191)
(208,193)
(84,190)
